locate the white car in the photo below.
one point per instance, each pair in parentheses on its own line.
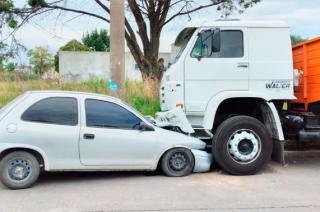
(73,131)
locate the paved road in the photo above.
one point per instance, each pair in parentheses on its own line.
(295,187)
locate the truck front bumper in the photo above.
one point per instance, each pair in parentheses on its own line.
(203,161)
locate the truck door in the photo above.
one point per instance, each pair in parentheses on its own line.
(208,73)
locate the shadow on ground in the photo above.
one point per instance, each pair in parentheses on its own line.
(293,159)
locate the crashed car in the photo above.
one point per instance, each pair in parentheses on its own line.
(73,131)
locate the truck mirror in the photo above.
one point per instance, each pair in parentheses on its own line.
(216,40)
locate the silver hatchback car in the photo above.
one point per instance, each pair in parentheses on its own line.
(73,131)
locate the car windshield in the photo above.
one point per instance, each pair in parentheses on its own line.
(146,118)
(182,41)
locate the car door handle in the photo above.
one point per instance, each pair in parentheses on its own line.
(243,65)
(88,136)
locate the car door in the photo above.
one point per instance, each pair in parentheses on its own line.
(215,72)
(51,124)
(110,137)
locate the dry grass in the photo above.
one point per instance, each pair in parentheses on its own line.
(144,100)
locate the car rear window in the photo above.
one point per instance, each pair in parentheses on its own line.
(53,110)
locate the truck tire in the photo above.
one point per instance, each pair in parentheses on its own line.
(19,170)
(242,145)
(178,162)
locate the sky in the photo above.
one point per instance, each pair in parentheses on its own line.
(303,17)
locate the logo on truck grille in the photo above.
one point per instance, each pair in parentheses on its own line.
(279,84)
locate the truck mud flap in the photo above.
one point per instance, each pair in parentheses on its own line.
(278,154)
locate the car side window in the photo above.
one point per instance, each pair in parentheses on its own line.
(109,115)
(231,46)
(53,110)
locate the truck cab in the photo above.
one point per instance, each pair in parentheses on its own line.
(238,70)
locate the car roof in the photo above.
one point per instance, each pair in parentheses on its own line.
(78,93)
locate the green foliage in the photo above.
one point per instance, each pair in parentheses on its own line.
(7,16)
(229,6)
(10,67)
(17,76)
(75,45)
(40,59)
(36,3)
(72,45)
(145,105)
(98,41)
(12,23)
(1,63)
(10,88)
(296,39)
(6,5)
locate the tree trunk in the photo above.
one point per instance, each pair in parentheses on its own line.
(153,69)
(151,81)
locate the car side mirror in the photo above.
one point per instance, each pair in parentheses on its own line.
(216,40)
(145,127)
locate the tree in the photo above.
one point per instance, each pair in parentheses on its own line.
(151,16)
(41,60)
(72,45)
(97,41)
(10,67)
(296,39)
(9,46)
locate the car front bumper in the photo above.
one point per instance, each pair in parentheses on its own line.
(203,161)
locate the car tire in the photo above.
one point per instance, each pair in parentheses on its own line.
(178,162)
(242,145)
(19,170)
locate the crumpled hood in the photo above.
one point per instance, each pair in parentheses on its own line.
(178,139)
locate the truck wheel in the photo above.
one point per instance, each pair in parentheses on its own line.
(242,145)
(178,162)
(19,170)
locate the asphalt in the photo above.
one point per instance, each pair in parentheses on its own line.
(294,187)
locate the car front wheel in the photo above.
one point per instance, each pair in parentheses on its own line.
(19,170)
(178,162)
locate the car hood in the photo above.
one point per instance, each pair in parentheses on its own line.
(178,139)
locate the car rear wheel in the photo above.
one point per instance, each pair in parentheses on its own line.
(19,170)
(178,162)
(242,145)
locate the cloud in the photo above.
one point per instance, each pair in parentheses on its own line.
(302,16)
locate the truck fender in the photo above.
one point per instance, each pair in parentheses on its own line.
(272,117)
(272,120)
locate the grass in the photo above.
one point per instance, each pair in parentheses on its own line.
(144,100)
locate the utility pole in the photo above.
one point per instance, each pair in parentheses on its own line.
(117,47)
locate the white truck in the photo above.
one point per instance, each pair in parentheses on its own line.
(231,79)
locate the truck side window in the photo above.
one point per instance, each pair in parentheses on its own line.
(231,46)
(202,48)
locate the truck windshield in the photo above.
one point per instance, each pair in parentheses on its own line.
(182,41)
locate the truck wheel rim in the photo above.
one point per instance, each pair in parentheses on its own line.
(178,161)
(19,169)
(244,146)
